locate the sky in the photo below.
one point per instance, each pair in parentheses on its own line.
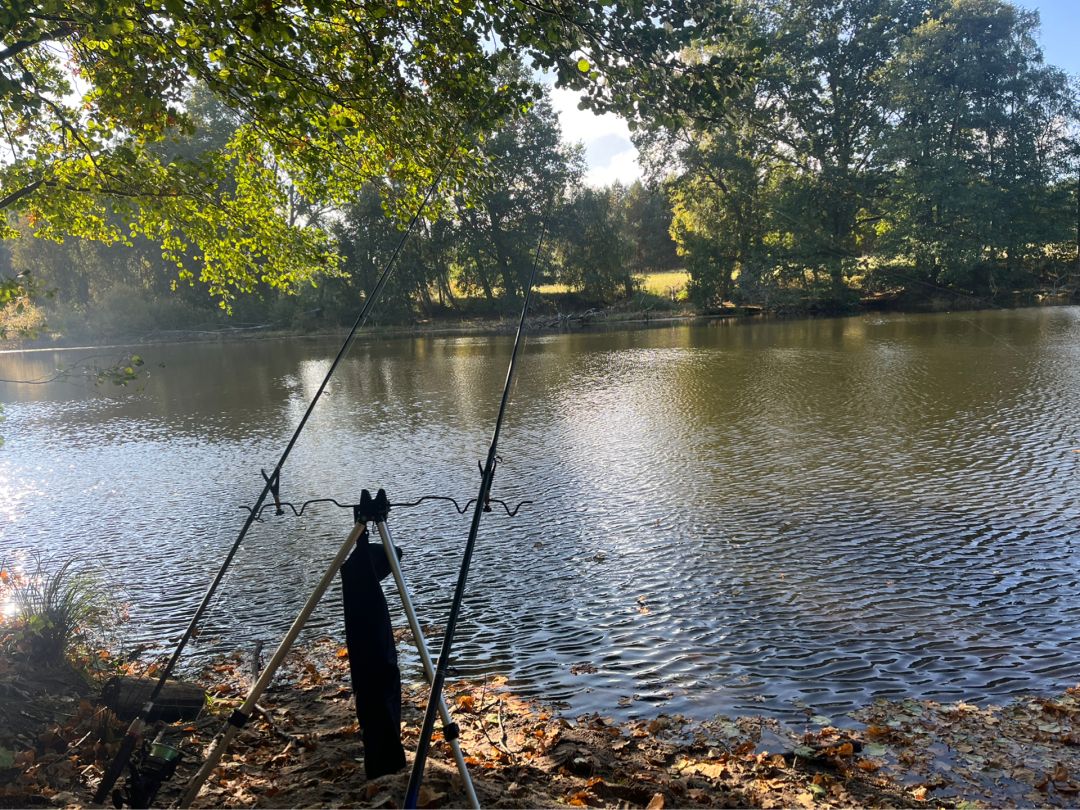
(611,156)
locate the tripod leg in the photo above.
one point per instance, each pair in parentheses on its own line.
(425,657)
(240,716)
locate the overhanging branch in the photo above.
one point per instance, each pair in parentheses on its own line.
(15,196)
(46,36)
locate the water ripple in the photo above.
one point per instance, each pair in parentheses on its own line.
(727,518)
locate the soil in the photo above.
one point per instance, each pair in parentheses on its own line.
(304,750)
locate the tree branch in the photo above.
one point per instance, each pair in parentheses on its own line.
(16,48)
(15,196)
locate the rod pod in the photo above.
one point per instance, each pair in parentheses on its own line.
(369,509)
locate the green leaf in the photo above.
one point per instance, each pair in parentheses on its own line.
(7,758)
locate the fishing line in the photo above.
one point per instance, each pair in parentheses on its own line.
(272,482)
(417,775)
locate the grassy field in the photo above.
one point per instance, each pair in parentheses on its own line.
(664,283)
(655,283)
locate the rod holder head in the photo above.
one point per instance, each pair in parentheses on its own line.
(371,510)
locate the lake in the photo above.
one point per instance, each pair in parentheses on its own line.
(739,517)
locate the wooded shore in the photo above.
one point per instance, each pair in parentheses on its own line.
(553,320)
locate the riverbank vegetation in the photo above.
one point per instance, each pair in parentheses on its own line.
(805,155)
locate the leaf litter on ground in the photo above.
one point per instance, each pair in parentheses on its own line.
(303,749)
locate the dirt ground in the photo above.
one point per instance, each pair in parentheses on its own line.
(305,751)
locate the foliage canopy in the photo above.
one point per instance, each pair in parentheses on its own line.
(330,96)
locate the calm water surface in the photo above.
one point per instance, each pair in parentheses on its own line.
(727,518)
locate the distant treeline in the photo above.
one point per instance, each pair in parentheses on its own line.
(884,144)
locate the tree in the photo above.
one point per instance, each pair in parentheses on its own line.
(647,225)
(329,95)
(826,109)
(529,173)
(595,247)
(981,137)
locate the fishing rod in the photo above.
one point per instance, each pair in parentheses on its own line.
(417,775)
(272,484)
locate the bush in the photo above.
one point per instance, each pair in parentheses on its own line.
(51,613)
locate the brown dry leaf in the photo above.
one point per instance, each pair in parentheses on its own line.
(867,765)
(466,703)
(343,652)
(1061,773)
(594,782)
(658,725)
(845,750)
(805,799)
(430,798)
(920,793)
(656,802)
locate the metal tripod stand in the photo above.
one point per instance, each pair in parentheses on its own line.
(369,510)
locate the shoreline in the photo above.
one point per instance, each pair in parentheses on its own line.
(588,321)
(303,750)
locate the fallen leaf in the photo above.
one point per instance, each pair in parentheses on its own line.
(343,652)
(656,802)
(430,798)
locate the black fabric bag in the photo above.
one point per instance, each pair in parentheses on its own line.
(376,680)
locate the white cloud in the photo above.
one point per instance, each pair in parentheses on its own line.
(605,165)
(622,166)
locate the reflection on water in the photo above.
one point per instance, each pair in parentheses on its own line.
(732,517)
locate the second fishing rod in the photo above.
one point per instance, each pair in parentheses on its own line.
(443,663)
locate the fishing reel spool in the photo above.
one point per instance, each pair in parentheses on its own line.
(154,766)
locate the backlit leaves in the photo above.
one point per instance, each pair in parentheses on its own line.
(329,96)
